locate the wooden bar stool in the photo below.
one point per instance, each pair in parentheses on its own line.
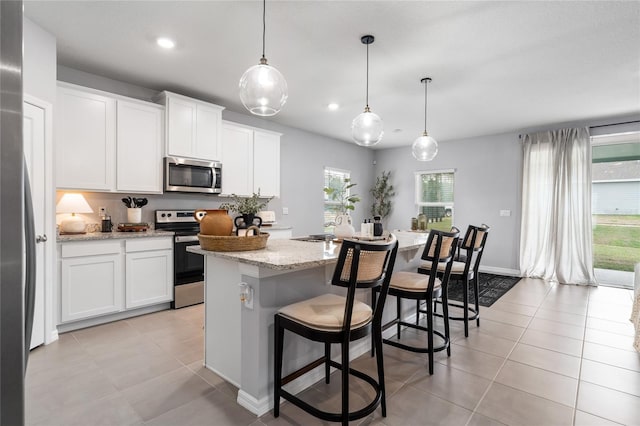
(439,249)
(466,271)
(332,318)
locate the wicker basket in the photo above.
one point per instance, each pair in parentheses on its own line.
(233,243)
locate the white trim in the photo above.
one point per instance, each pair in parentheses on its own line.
(616,180)
(615,138)
(336,170)
(50,260)
(423,172)
(500,271)
(63,328)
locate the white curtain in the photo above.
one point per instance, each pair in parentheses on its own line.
(556,234)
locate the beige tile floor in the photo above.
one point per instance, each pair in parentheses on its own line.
(545,354)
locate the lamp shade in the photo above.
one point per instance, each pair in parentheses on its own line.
(73,203)
(367,128)
(263,90)
(424,148)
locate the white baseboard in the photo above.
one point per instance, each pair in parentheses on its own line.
(53,336)
(500,271)
(76,325)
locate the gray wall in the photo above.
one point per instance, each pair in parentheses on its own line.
(487,180)
(303,156)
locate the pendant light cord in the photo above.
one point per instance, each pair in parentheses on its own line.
(264,24)
(425,105)
(367,96)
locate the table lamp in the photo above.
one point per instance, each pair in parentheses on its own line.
(73,203)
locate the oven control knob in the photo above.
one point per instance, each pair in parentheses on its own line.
(163,215)
(169,215)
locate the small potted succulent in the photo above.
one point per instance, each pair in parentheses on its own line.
(247,207)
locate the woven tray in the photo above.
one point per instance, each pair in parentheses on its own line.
(234,243)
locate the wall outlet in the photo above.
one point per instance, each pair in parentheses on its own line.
(285,210)
(103,211)
(505,212)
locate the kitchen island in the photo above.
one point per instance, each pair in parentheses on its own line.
(239,336)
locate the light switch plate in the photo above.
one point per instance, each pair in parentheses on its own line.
(103,211)
(505,212)
(285,210)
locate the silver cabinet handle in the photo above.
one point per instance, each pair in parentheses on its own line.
(41,239)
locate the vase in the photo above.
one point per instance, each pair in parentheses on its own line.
(245,221)
(344,227)
(134,215)
(214,222)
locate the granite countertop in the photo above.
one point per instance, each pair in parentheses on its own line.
(95,236)
(292,254)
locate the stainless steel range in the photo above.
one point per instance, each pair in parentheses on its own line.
(188,282)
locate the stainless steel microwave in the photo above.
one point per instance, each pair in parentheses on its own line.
(186,175)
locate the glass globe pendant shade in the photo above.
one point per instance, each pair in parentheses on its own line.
(366,128)
(263,89)
(424,148)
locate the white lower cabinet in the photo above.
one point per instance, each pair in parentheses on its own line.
(106,277)
(149,272)
(91,280)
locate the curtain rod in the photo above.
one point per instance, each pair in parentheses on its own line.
(603,125)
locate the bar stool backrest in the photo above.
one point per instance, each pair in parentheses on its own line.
(440,248)
(365,265)
(474,242)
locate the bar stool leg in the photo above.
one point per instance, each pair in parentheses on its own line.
(399,312)
(477,298)
(430,333)
(327,357)
(377,332)
(465,302)
(345,384)
(277,382)
(445,318)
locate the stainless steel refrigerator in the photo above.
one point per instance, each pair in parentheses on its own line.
(17,240)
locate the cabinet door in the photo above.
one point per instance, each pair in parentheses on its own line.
(90,286)
(149,278)
(85,140)
(139,147)
(181,119)
(208,123)
(266,164)
(237,160)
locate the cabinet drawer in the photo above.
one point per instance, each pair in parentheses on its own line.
(146,244)
(90,248)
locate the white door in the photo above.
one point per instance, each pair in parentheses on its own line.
(34,152)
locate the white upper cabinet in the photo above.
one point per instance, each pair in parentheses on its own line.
(140,135)
(193,127)
(250,160)
(85,139)
(237,159)
(107,142)
(266,163)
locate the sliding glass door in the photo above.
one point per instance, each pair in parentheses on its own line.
(616,207)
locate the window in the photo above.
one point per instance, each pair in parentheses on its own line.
(434,197)
(333,178)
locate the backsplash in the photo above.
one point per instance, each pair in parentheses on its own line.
(118,211)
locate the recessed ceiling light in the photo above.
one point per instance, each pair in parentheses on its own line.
(333,106)
(166,43)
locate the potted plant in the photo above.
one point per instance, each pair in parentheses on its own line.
(247,207)
(382,192)
(339,191)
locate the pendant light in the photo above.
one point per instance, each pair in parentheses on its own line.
(263,89)
(366,128)
(425,148)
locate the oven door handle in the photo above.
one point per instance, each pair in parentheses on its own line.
(186,238)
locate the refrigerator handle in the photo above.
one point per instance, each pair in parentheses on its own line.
(30,265)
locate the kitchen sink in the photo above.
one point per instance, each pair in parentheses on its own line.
(317,237)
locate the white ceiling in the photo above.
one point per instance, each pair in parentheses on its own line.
(496,66)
